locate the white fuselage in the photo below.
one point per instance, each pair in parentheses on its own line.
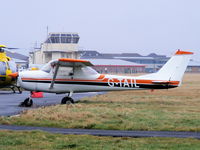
(41,81)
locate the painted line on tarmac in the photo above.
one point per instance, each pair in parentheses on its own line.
(113,133)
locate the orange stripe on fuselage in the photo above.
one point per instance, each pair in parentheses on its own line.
(101,76)
(45,79)
(114,80)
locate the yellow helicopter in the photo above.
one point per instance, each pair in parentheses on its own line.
(7,66)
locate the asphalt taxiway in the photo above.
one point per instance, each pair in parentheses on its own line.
(113,133)
(9,102)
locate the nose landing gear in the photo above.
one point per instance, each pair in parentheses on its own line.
(28,102)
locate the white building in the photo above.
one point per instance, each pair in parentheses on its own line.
(57,45)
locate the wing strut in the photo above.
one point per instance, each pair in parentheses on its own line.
(54,76)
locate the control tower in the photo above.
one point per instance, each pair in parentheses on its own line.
(57,45)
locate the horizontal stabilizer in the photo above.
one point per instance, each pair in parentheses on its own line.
(161,82)
(166,82)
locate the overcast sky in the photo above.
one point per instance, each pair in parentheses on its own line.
(142,26)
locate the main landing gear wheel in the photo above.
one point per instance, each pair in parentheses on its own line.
(67,100)
(28,102)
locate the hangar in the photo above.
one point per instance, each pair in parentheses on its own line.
(193,66)
(116,66)
(152,62)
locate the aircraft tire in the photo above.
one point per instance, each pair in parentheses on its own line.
(67,100)
(28,102)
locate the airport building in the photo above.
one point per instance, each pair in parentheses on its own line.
(110,62)
(57,45)
(193,66)
(149,63)
(116,66)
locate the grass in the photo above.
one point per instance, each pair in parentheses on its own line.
(174,109)
(34,140)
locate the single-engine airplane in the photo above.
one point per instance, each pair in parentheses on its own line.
(70,76)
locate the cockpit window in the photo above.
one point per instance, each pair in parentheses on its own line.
(88,70)
(65,71)
(68,71)
(46,68)
(2,68)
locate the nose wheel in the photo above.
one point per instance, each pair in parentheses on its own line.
(28,102)
(67,100)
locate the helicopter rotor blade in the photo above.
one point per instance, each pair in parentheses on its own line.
(11,48)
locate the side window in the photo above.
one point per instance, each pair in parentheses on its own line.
(84,72)
(2,68)
(65,71)
(88,70)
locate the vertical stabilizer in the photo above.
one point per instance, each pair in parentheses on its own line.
(175,67)
(173,70)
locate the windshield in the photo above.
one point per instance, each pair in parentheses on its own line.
(46,68)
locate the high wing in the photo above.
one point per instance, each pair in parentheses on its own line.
(67,62)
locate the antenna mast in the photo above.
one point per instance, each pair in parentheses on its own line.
(47,31)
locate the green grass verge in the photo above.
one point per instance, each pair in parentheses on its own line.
(34,140)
